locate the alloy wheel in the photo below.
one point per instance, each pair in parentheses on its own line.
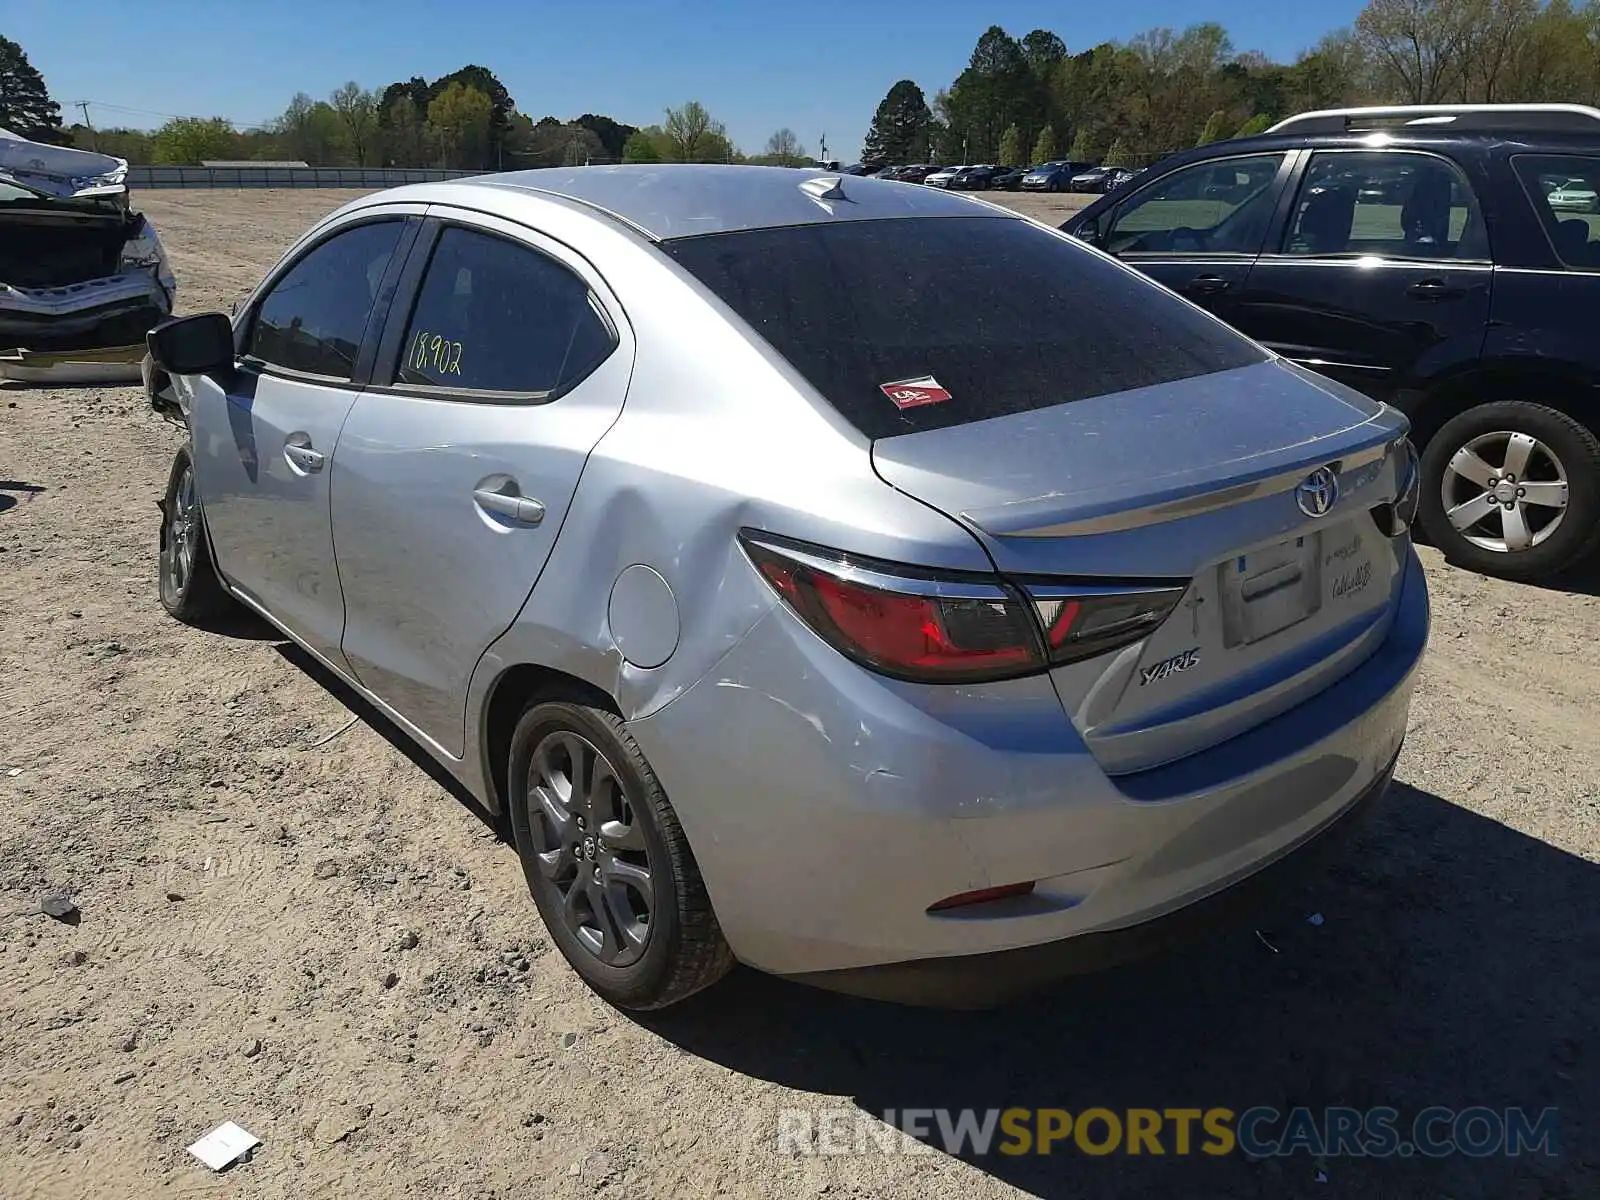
(1505,491)
(590,848)
(183,534)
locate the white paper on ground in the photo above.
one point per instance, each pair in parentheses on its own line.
(224,1145)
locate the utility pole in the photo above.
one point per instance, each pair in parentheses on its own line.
(824,140)
(94,138)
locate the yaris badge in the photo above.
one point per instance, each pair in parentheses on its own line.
(1318,492)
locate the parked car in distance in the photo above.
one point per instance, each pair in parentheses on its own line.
(857,642)
(83,276)
(1440,258)
(1575,195)
(1091,180)
(974,179)
(1008,179)
(941,177)
(1052,176)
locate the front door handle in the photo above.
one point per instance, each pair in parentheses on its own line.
(519,509)
(1207,285)
(1435,289)
(298,450)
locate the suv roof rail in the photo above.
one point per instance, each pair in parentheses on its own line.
(1520,118)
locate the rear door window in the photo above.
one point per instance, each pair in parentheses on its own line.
(497,316)
(1565,190)
(1388,204)
(315,316)
(926,322)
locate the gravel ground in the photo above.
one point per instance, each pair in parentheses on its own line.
(289,920)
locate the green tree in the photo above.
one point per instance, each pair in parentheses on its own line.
(1420,47)
(458,124)
(784,150)
(1083,146)
(1011,147)
(357,109)
(501,106)
(1216,128)
(693,135)
(1259,123)
(189,141)
(404,134)
(613,135)
(900,127)
(309,131)
(130,144)
(25,105)
(644,146)
(1118,155)
(1045,148)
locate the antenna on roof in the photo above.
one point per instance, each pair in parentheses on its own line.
(824,187)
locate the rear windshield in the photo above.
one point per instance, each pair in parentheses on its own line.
(922,323)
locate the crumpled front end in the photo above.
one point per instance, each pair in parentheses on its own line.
(82,277)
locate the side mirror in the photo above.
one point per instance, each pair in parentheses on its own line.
(192,345)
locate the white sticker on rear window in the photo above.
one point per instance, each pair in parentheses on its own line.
(914,393)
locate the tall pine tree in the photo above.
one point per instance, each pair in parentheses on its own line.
(899,132)
(25,105)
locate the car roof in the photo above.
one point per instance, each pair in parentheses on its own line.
(1434,138)
(678,200)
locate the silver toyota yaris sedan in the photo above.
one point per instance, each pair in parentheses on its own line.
(857,581)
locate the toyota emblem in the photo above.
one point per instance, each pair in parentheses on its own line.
(1318,492)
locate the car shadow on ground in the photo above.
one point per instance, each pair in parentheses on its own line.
(383,727)
(1457,963)
(11,490)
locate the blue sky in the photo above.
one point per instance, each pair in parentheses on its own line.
(818,66)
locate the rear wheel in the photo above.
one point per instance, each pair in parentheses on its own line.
(190,589)
(607,861)
(1513,489)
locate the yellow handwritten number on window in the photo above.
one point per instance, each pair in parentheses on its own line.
(436,353)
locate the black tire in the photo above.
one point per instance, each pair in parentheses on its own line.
(189,587)
(1558,547)
(682,949)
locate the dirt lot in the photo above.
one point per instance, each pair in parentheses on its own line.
(288,921)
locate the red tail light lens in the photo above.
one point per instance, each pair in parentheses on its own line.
(1084,621)
(901,621)
(933,627)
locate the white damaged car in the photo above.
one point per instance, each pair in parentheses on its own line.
(82,276)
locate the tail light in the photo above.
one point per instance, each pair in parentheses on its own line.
(938,627)
(1395,518)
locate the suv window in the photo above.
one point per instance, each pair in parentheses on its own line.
(314,317)
(1217,207)
(1391,203)
(495,315)
(1565,189)
(973,317)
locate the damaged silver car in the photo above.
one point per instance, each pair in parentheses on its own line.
(83,277)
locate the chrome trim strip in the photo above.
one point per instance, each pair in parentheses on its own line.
(910,585)
(1193,506)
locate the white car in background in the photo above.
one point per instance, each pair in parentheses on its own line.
(1575,195)
(82,276)
(942,177)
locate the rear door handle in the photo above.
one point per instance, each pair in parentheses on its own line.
(520,509)
(1436,289)
(1208,285)
(298,450)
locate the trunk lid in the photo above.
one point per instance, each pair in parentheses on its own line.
(1193,482)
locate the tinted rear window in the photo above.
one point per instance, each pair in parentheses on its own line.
(1002,315)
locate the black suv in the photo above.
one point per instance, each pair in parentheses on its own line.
(1443,259)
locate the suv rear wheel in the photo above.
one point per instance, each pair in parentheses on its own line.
(1512,489)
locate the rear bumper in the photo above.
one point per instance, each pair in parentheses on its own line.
(829,808)
(986,980)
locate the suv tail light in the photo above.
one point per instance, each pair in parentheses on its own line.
(946,627)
